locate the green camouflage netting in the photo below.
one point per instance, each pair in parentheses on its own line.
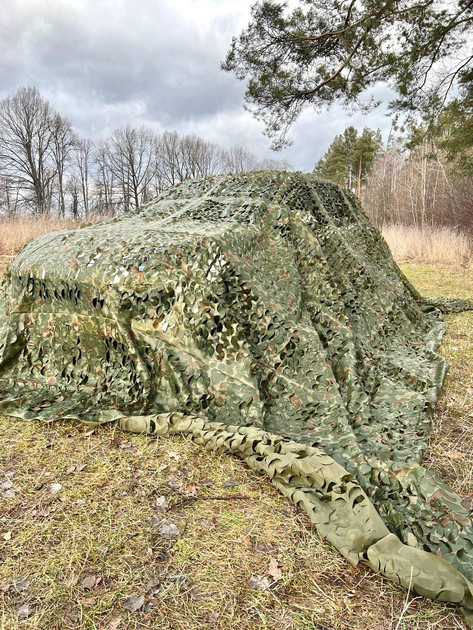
(260,314)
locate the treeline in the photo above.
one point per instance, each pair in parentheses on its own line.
(47,170)
(422,177)
(418,187)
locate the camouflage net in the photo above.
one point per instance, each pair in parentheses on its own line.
(262,315)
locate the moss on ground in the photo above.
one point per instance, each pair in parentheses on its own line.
(83,531)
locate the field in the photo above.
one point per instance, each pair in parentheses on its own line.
(81,532)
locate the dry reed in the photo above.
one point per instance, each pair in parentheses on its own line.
(15,233)
(441,246)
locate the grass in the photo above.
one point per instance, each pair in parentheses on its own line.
(450,451)
(16,232)
(77,554)
(433,245)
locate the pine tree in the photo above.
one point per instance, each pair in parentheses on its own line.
(349,158)
(315,53)
(367,146)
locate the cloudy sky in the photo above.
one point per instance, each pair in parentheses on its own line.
(106,63)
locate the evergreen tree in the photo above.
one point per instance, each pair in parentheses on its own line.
(450,134)
(325,51)
(367,146)
(349,158)
(455,130)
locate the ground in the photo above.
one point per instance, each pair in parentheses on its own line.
(96,523)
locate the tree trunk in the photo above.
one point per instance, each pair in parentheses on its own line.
(359,176)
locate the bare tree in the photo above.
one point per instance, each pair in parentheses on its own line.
(132,160)
(270,164)
(26,145)
(62,145)
(104,185)
(45,166)
(84,162)
(10,195)
(199,158)
(169,163)
(239,159)
(417,188)
(74,187)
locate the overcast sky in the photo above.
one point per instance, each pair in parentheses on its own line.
(106,63)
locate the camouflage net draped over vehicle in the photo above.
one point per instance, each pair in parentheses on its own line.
(263,315)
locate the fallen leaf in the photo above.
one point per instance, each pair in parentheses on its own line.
(161,504)
(212,616)
(468,503)
(20,585)
(412,607)
(6,490)
(230,482)
(273,570)
(44,513)
(134,603)
(263,547)
(195,594)
(455,455)
(23,612)
(71,614)
(166,528)
(114,623)
(89,581)
(206,481)
(258,583)
(153,584)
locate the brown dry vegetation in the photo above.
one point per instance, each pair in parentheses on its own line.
(15,233)
(74,556)
(441,246)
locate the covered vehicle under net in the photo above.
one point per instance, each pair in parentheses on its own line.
(260,314)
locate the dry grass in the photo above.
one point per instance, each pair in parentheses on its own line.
(74,556)
(438,246)
(450,451)
(15,233)
(433,245)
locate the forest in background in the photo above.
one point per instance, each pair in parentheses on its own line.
(417,188)
(48,171)
(421,178)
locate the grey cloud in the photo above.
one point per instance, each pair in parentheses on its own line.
(105,64)
(140,50)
